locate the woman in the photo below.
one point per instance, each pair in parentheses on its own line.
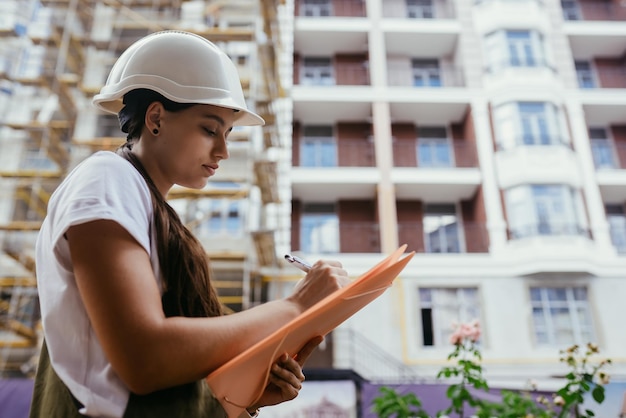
(132,325)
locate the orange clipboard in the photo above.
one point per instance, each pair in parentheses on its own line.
(242,380)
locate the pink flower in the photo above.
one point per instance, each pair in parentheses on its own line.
(470,331)
(456,338)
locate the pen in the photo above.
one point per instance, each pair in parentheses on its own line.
(298,262)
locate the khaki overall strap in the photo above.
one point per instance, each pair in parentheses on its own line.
(52,399)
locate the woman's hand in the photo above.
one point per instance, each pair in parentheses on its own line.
(324,278)
(286,377)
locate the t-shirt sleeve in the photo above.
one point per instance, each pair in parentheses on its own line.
(104,187)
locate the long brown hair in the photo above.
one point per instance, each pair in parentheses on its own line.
(183,261)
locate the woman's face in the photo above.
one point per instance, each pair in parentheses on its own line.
(190,145)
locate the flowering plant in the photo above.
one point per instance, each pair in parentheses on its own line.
(584,376)
(464,338)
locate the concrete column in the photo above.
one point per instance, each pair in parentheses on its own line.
(591,192)
(496,225)
(381,119)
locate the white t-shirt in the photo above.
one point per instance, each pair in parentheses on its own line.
(103,186)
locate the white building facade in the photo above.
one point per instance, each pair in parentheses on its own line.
(488,136)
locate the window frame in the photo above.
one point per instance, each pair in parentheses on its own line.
(318,74)
(586,76)
(426,70)
(509,121)
(317,147)
(317,8)
(327,212)
(499,44)
(420,9)
(463,305)
(430,211)
(527,204)
(573,310)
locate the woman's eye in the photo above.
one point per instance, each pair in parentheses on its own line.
(209,131)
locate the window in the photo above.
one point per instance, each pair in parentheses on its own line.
(514,48)
(218,217)
(535,210)
(601,148)
(441,230)
(528,124)
(584,74)
(433,147)
(440,308)
(561,315)
(319,229)
(31,63)
(318,147)
(317,71)
(617,226)
(570,9)
(534,124)
(316,8)
(35,157)
(420,9)
(426,73)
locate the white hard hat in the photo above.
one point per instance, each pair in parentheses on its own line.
(183,67)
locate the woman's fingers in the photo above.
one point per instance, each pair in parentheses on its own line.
(308,348)
(324,278)
(286,374)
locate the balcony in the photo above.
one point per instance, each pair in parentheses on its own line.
(535,163)
(434,154)
(341,74)
(401,75)
(596,29)
(469,237)
(548,229)
(364,237)
(343,8)
(339,237)
(593,10)
(602,78)
(425,10)
(344,153)
(330,36)
(610,163)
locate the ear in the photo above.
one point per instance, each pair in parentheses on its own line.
(154,113)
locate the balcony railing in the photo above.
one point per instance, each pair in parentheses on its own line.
(364,237)
(344,75)
(531,61)
(361,354)
(343,8)
(603,155)
(552,228)
(593,10)
(606,155)
(470,237)
(611,78)
(348,153)
(399,75)
(457,153)
(549,140)
(618,238)
(438,9)
(326,237)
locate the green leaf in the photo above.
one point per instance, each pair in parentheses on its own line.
(598,394)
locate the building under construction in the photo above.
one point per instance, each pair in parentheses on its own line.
(54,56)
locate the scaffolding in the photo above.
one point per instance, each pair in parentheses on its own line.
(54,56)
